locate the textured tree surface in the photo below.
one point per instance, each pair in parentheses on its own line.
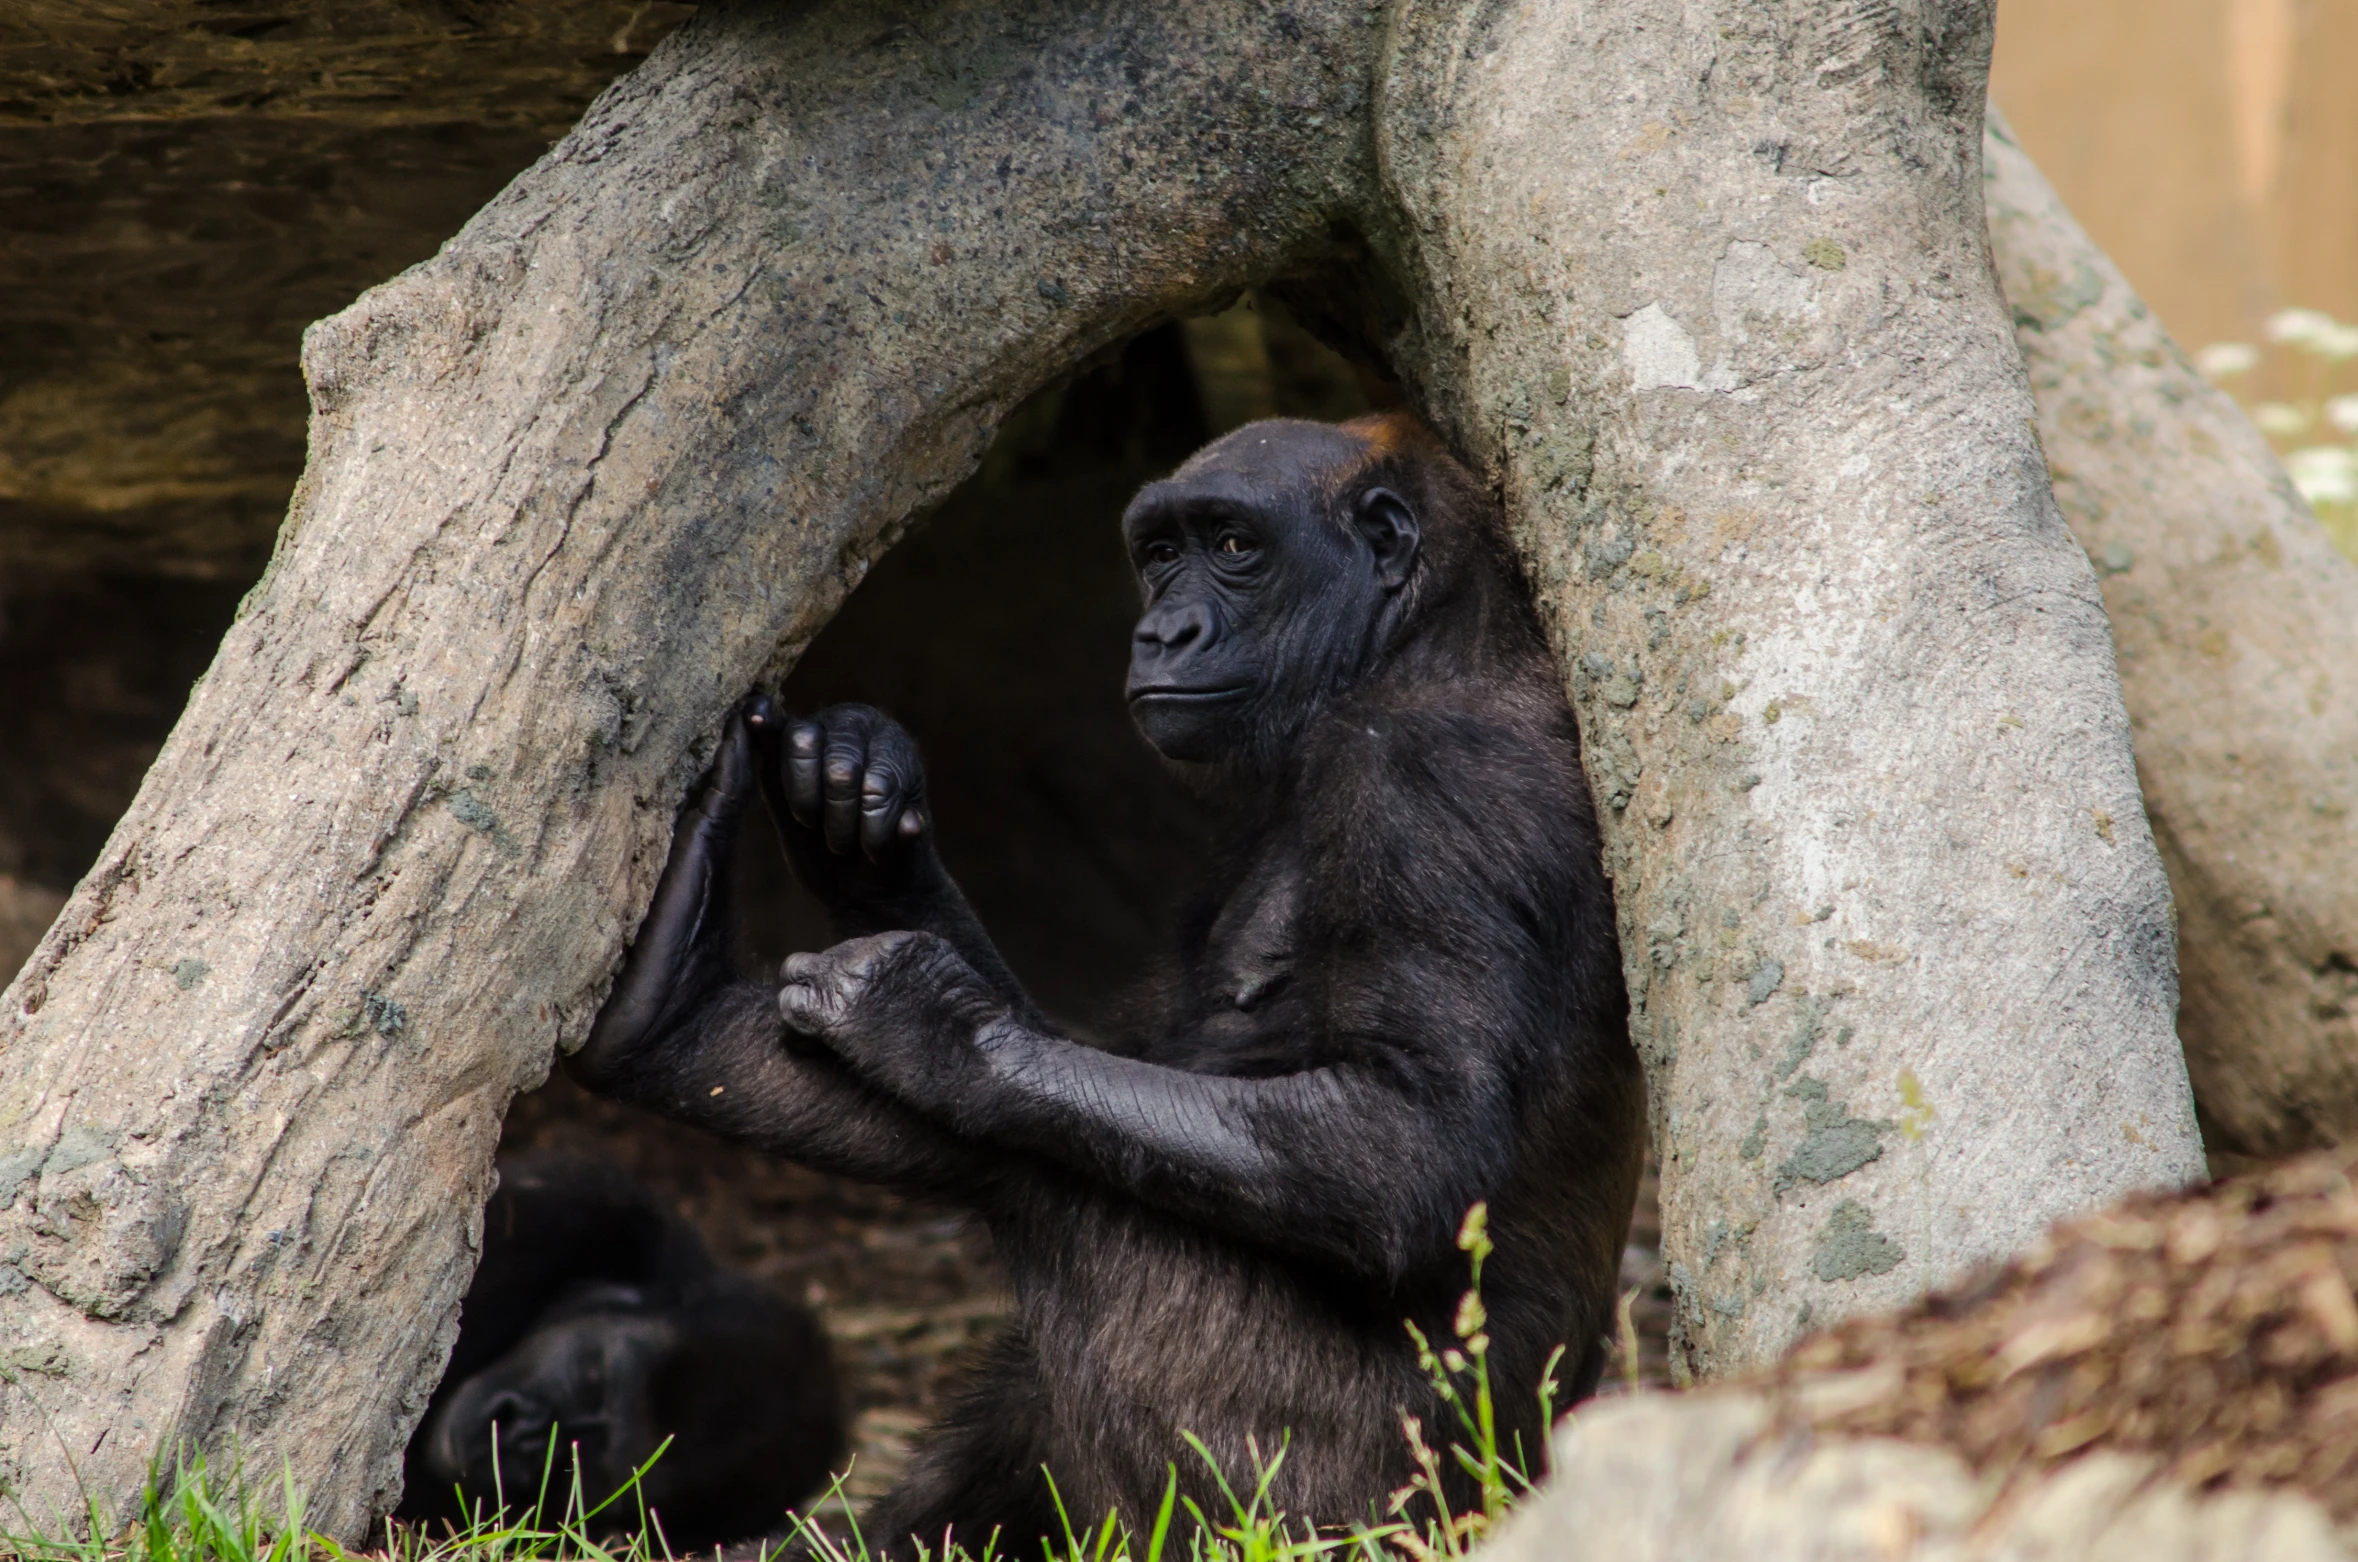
(1706,288)
(1703,286)
(2236,621)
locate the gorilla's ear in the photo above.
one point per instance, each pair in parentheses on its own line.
(1391,530)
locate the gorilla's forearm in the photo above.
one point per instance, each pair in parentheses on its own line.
(935,904)
(726,1067)
(1335,1164)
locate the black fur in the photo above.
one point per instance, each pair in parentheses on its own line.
(1397,993)
(599,1319)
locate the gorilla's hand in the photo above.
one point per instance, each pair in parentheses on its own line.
(681,951)
(904,1011)
(848,791)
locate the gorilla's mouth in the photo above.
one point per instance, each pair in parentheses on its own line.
(1177,694)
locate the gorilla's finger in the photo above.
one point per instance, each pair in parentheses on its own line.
(803,742)
(768,726)
(880,795)
(805,1012)
(762,719)
(892,791)
(841,768)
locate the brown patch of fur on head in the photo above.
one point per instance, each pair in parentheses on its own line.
(2215,1330)
(1391,433)
(1394,443)
(1465,532)
(1403,454)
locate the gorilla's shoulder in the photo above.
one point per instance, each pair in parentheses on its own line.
(1405,741)
(1469,782)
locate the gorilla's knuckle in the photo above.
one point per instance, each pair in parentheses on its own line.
(853,717)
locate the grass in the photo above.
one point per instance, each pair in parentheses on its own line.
(191,1514)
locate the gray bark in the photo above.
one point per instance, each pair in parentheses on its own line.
(2236,621)
(1706,289)
(1703,286)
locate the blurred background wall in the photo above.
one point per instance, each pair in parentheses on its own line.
(2211,146)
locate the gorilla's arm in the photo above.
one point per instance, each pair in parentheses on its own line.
(1367,1164)
(1447,910)
(731,1069)
(683,1036)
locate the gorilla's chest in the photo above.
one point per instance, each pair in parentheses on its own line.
(1246,1003)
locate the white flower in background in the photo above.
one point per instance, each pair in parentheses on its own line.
(2342,413)
(2298,325)
(2221,359)
(2325,474)
(2280,419)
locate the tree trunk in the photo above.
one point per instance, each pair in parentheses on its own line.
(574,484)
(1896,931)
(2236,621)
(1706,289)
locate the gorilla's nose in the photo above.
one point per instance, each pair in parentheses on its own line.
(507,1413)
(476,1427)
(1183,627)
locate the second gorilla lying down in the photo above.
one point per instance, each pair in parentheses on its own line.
(1396,992)
(597,1323)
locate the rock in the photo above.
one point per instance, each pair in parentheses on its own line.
(1711,1476)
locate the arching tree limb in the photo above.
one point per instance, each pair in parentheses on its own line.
(573,484)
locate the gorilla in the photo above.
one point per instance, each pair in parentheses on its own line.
(1395,992)
(597,1319)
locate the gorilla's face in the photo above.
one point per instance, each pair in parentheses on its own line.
(1266,571)
(585,1381)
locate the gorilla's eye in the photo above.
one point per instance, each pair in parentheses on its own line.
(1232,543)
(1161,553)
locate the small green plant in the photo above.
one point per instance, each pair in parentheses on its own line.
(192,1516)
(2315,427)
(1460,1374)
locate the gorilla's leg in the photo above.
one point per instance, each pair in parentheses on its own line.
(681,1035)
(978,1471)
